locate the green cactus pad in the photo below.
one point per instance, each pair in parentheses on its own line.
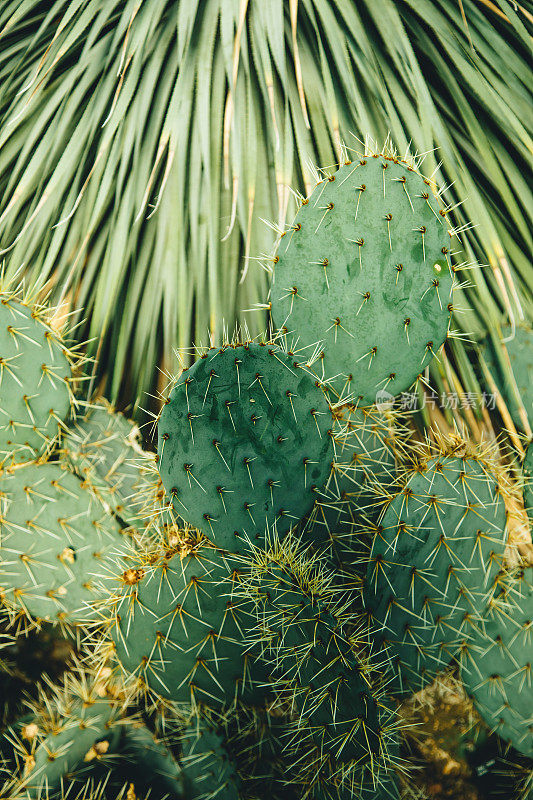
(35,375)
(150,763)
(369,445)
(436,554)
(207,769)
(301,631)
(497,664)
(55,537)
(519,346)
(244,440)
(364,273)
(61,737)
(103,447)
(177,632)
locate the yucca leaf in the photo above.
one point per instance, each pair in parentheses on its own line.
(143,144)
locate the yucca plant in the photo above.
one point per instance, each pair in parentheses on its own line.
(142,146)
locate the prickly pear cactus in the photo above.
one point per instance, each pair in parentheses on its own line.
(55,536)
(364,275)
(69,729)
(437,551)
(207,770)
(300,628)
(35,379)
(497,663)
(181,603)
(103,447)
(149,762)
(244,441)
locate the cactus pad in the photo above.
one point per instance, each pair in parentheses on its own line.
(435,556)
(207,770)
(71,728)
(244,440)
(301,631)
(55,534)
(177,631)
(35,375)
(497,664)
(103,447)
(364,273)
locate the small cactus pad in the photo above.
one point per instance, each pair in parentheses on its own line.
(435,556)
(35,371)
(71,728)
(369,445)
(151,763)
(364,272)
(177,631)
(103,447)
(207,769)
(244,440)
(54,536)
(497,664)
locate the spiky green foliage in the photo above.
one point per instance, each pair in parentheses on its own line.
(113,115)
(437,551)
(55,536)
(103,447)
(207,769)
(497,663)
(344,733)
(35,378)
(177,632)
(244,441)
(509,357)
(364,275)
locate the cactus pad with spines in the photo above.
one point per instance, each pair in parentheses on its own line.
(150,763)
(177,631)
(69,729)
(497,663)
(35,376)
(103,447)
(434,560)
(244,440)
(55,536)
(208,771)
(364,273)
(300,628)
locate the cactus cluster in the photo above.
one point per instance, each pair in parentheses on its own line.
(254,602)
